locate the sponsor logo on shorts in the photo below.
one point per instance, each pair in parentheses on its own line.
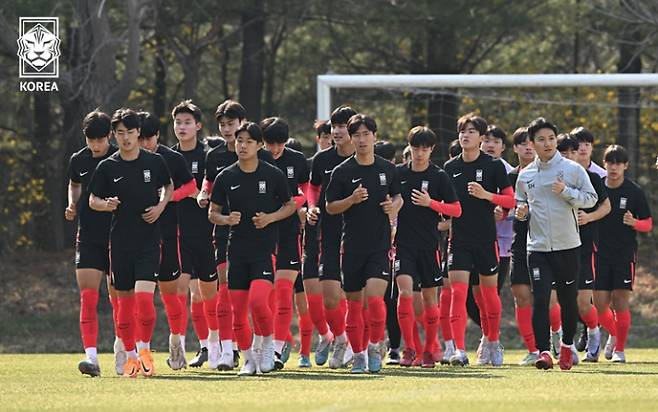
(627,281)
(438,278)
(382,179)
(622,202)
(493,269)
(385,273)
(267,273)
(587,282)
(569,282)
(262,187)
(147,176)
(212,275)
(535,274)
(294,262)
(156,274)
(290,170)
(478,175)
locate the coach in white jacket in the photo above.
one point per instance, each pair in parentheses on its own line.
(549,193)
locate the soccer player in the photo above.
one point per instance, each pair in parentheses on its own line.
(323,134)
(615,258)
(365,189)
(92,259)
(329,270)
(256,197)
(170,270)
(481,184)
(551,190)
(427,192)
(135,186)
(288,259)
(585,140)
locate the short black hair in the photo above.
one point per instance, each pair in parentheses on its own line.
(406,153)
(253,130)
(615,154)
(538,124)
(215,141)
(385,149)
(421,136)
(566,142)
(455,149)
(186,106)
(357,120)
(478,122)
(231,109)
(497,132)
(582,135)
(275,130)
(128,117)
(520,135)
(96,124)
(322,126)
(294,144)
(150,125)
(342,115)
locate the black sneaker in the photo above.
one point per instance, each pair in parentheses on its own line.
(236,358)
(278,363)
(88,367)
(200,358)
(581,345)
(393,357)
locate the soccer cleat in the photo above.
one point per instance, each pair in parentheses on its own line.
(278,362)
(349,356)
(267,362)
(428,360)
(529,359)
(418,361)
(437,355)
(176,359)
(610,347)
(146,363)
(120,356)
(337,358)
(618,357)
(496,353)
(566,358)
(483,352)
(248,369)
(450,351)
(581,345)
(459,358)
(214,353)
(131,368)
(236,358)
(304,361)
(574,355)
(225,361)
(544,361)
(556,343)
(322,351)
(593,346)
(89,367)
(359,365)
(374,357)
(200,358)
(393,357)
(285,353)
(408,356)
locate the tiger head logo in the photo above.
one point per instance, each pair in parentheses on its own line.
(38,47)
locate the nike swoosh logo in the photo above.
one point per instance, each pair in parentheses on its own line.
(83,173)
(327,171)
(220,167)
(456,174)
(155,275)
(293,262)
(212,275)
(146,370)
(356,180)
(267,273)
(570,282)
(587,282)
(234,187)
(117,179)
(438,279)
(403,182)
(628,280)
(493,269)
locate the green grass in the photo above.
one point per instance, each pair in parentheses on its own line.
(52,382)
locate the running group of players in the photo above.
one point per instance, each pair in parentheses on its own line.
(245,226)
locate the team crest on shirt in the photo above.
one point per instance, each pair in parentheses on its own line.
(622,202)
(424,185)
(195,167)
(382,179)
(290,170)
(147,176)
(262,187)
(478,175)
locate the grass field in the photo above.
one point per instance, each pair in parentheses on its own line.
(52,382)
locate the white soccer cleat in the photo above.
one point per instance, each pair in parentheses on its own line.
(337,359)
(618,357)
(120,356)
(483,352)
(176,360)
(267,358)
(225,361)
(610,347)
(213,355)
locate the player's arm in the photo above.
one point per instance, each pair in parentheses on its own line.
(643,222)
(74,193)
(521,196)
(151,214)
(98,200)
(99,204)
(262,219)
(216,217)
(206,187)
(336,207)
(581,195)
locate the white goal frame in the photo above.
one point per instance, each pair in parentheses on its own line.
(326,82)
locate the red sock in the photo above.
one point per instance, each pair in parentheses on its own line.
(366,326)
(555,317)
(283,289)
(305,332)
(316,311)
(210,309)
(623,321)
(354,325)
(174,311)
(336,320)
(261,314)
(406,320)
(115,315)
(241,330)
(377,318)
(524,323)
(88,317)
(126,321)
(417,343)
(494,311)
(343,306)
(445,301)
(607,320)
(199,320)
(146,315)
(458,313)
(224,313)
(431,317)
(482,306)
(185,318)
(591,319)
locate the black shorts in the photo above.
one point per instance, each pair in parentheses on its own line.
(299,284)
(129,266)
(330,256)
(220,243)
(611,276)
(587,270)
(197,258)
(89,255)
(473,257)
(311,259)
(288,255)
(240,273)
(519,273)
(422,265)
(359,267)
(169,260)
